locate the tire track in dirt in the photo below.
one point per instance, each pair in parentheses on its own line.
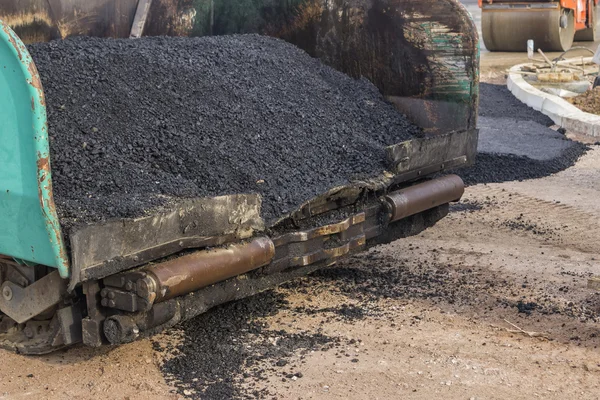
(564,225)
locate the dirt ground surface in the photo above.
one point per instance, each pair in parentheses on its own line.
(588,101)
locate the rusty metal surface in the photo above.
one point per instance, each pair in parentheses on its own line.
(423,196)
(139,290)
(191,305)
(31,231)
(328,242)
(192,272)
(43,20)
(100,250)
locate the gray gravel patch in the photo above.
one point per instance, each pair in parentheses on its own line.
(515,142)
(520,138)
(496,101)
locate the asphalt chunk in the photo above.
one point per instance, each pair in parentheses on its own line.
(136,125)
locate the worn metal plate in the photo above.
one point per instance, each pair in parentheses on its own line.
(141,15)
(43,20)
(446,151)
(100,250)
(23,304)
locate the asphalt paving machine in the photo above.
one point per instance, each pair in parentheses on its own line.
(507,25)
(115,281)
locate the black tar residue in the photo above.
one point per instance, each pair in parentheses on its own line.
(229,350)
(490,168)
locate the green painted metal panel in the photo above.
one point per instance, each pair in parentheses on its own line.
(29,226)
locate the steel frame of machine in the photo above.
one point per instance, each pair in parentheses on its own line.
(115,281)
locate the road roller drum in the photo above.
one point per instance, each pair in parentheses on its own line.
(552,25)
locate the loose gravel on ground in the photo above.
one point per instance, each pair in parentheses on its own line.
(534,150)
(135,124)
(496,101)
(228,350)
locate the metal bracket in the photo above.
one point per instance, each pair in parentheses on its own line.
(22,304)
(139,21)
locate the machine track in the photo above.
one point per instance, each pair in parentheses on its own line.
(566,225)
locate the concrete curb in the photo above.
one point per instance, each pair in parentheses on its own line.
(560,111)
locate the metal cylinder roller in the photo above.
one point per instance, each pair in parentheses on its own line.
(508,29)
(194,271)
(424,196)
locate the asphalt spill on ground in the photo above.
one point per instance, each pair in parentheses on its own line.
(497,168)
(229,350)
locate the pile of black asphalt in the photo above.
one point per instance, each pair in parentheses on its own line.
(135,125)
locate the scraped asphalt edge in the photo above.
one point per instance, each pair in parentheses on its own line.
(560,111)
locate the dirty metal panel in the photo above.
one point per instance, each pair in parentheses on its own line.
(22,304)
(324,243)
(194,17)
(436,117)
(330,229)
(104,18)
(99,250)
(418,154)
(44,20)
(30,228)
(426,49)
(32,20)
(333,199)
